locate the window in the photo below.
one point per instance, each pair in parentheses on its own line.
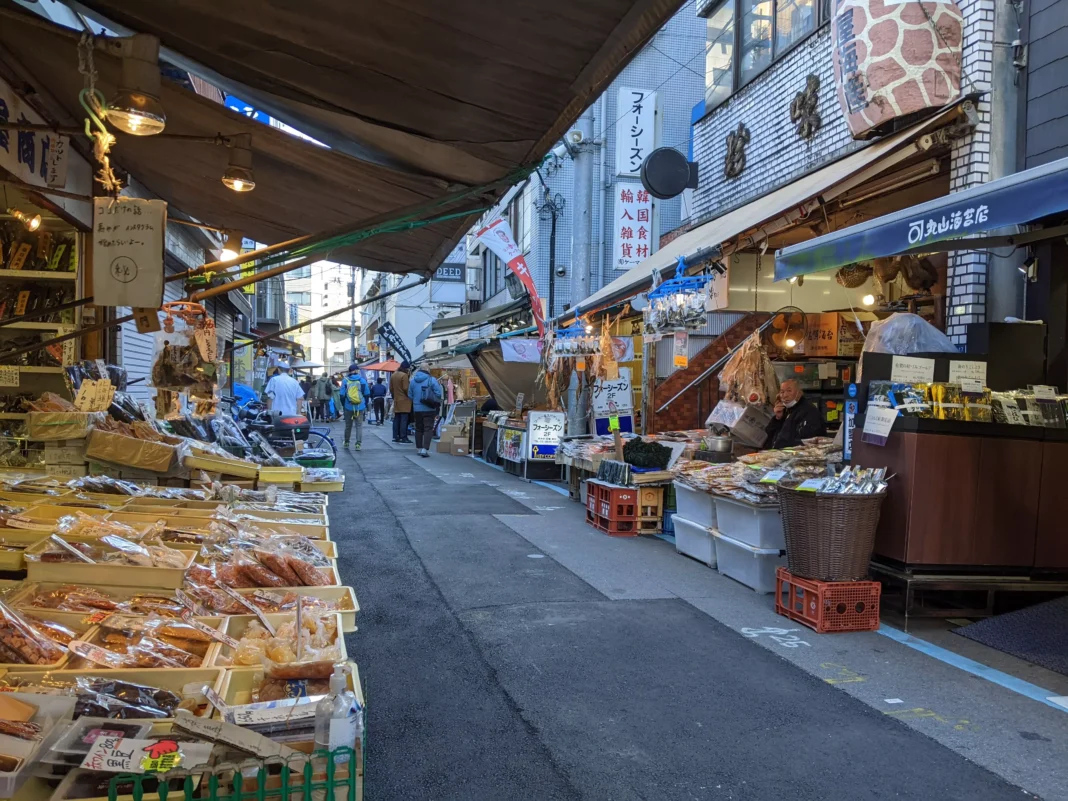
(299,298)
(301,272)
(744,36)
(491,274)
(719,56)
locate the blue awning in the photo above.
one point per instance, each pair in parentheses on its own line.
(1013,200)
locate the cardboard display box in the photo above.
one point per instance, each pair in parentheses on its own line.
(106,446)
(459,446)
(444,445)
(65,451)
(836,333)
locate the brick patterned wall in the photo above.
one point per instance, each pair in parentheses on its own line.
(776,155)
(966,276)
(691,409)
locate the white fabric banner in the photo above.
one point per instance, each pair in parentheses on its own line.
(527,351)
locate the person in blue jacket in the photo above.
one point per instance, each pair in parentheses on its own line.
(354,396)
(426,394)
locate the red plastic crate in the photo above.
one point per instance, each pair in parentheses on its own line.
(828,606)
(617,528)
(615,503)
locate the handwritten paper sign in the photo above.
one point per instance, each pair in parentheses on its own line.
(129,755)
(909,370)
(94,395)
(877,424)
(9,375)
(128,240)
(971,375)
(544,432)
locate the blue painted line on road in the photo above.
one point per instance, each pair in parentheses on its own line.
(1032,691)
(554,488)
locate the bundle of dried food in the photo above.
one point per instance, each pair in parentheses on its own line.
(287,654)
(640,453)
(749,377)
(110,549)
(50,402)
(21,644)
(105,485)
(128,641)
(79,524)
(272,601)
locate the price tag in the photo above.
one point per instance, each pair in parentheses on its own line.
(189,603)
(9,375)
(773,477)
(580,365)
(204,628)
(146,320)
(678,350)
(877,424)
(519,398)
(94,395)
(18,256)
(1044,392)
(207,343)
(251,607)
(613,422)
(21,302)
(101,656)
(811,485)
(971,375)
(908,370)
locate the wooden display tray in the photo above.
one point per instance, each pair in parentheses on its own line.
(83,630)
(239,683)
(18,537)
(105,573)
(226,467)
(320,486)
(346,595)
(304,517)
(235,626)
(281,475)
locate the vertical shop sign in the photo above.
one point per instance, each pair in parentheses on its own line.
(633,226)
(635,130)
(497,236)
(34,157)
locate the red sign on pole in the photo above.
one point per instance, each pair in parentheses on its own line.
(497,236)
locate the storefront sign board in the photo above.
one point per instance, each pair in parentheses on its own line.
(635,129)
(545,430)
(614,397)
(632,211)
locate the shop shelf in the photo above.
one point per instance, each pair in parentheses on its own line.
(37,275)
(828,606)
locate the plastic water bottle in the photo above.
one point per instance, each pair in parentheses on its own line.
(338,717)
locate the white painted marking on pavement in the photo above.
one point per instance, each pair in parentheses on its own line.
(893,701)
(783,637)
(1060,700)
(535,556)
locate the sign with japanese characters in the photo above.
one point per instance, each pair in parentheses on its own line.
(544,432)
(614,397)
(635,129)
(968,218)
(117,754)
(633,210)
(128,237)
(497,236)
(34,157)
(510,444)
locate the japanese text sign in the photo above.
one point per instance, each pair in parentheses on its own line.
(635,129)
(633,210)
(128,240)
(613,397)
(544,432)
(34,157)
(497,236)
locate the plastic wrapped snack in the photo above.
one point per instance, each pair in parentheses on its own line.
(20,643)
(946,402)
(284,656)
(978,406)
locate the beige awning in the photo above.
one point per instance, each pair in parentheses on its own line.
(827,182)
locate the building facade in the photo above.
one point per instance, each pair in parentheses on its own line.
(309,293)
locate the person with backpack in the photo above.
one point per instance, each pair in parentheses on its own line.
(354,395)
(425,394)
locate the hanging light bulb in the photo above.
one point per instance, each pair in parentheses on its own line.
(868,300)
(238,175)
(791,343)
(589,329)
(31,223)
(793,279)
(135,108)
(232,248)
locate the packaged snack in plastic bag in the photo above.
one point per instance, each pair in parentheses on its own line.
(185,351)
(20,643)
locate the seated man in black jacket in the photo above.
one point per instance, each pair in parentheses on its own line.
(796,418)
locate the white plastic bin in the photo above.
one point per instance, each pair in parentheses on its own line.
(693,539)
(694,505)
(753,567)
(759,526)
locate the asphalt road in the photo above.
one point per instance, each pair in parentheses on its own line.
(493,672)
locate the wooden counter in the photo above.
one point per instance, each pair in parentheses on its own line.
(972,500)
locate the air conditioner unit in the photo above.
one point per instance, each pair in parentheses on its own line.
(474,293)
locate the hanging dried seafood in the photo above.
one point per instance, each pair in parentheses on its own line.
(749,376)
(853,275)
(186,349)
(677,304)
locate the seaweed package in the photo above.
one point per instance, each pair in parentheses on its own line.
(978,406)
(946,402)
(910,400)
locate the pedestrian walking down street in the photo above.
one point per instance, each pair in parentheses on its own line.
(320,397)
(425,394)
(402,404)
(354,395)
(378,398)
(335,398)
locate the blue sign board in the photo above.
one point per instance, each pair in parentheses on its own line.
(243,108)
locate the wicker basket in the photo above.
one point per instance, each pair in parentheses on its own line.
(829,537)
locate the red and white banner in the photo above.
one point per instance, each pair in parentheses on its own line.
(497,236)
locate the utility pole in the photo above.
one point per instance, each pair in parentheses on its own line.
(582,229)
(1009,57)
(553,205)
(352,322)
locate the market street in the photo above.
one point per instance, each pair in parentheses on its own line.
(493,671)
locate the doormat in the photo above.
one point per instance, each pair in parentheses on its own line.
(1037,634)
